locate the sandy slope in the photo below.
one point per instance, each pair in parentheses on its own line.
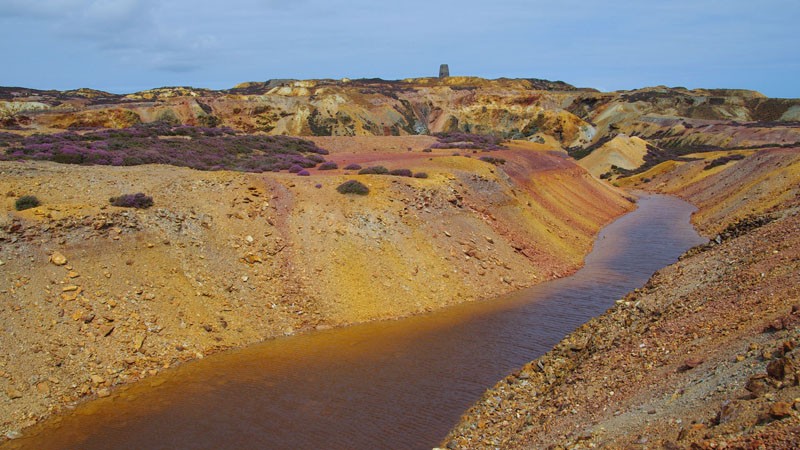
(622,151)
(764,180)
(225,259)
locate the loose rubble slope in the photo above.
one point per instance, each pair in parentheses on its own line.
(703,356)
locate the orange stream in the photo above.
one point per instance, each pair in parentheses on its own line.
(387,385)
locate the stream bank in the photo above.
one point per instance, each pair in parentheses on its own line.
(396,384)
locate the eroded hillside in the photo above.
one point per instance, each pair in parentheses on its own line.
(224,258)
(95,295)
(727,186)
(672,120)
(703,356)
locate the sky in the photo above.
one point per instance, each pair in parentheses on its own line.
(125,46)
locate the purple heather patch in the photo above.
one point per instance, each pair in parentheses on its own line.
(159,143)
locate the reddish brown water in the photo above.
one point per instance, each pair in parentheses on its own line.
(389,385)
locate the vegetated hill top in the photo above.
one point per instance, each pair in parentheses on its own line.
(404,97)
(666,122)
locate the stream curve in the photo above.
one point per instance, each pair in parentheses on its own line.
(385,385)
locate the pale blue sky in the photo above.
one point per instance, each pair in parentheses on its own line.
(129,45)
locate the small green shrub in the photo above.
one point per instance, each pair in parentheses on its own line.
(401,172)
(138,200)
(353,187)
(374,170)
(27,202)
(493,160)
(328,165)
(723,160)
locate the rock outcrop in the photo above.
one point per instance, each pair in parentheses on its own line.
(669,119)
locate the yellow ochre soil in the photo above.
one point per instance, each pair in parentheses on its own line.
(93,296)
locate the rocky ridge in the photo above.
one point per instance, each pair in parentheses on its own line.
(671,120)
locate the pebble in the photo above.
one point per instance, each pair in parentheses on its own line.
(778,368)
(780,410)
(58,259)
(13,393)
(252,259)
(691,363)
(43,388)
(69,296)
(756,385)
(138,341)
(104,392)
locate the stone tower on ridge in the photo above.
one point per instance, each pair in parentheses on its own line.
(444,71)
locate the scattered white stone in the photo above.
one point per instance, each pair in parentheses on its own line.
(13,434)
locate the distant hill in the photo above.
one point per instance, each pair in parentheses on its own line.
(669,121)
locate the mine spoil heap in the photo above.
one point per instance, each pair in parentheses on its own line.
(473,188)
